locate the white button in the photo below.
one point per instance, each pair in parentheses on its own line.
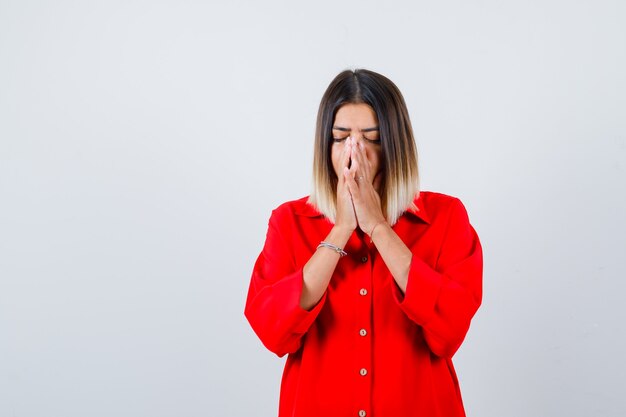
(363,332)
(362,413)
(363,291)
(363,371)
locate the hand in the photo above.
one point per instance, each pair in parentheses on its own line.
(345,218)
(359,180)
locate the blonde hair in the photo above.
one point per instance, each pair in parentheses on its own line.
(400,185)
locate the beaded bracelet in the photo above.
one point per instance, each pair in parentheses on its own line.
(337,249)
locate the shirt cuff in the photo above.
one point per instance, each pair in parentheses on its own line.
(289,290)
(422,290)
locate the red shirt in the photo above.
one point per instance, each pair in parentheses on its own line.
(367,349)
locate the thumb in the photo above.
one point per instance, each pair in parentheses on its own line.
(350,182)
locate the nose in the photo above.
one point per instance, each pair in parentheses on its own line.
(357,137)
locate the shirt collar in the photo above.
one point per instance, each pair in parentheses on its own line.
(417,209)
(306,209)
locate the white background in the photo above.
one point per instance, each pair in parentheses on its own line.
(143,145)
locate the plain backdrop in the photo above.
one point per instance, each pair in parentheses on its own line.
(143,145)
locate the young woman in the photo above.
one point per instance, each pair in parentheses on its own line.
(368,285)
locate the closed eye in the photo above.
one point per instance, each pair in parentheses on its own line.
(339,140)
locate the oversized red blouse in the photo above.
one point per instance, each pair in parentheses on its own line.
(367,349)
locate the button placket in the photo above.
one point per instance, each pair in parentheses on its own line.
(364,320)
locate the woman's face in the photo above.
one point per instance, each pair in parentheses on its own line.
(360,122)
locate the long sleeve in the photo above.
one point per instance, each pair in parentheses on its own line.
(273,302)
(443,300)
(367,348)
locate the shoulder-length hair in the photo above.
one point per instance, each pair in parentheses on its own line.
(400,182)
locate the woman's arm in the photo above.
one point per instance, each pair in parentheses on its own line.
(284,299)
(442,301)
(394,252)
(370,218)
(319,269)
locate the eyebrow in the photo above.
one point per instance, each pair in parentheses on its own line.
(345,129)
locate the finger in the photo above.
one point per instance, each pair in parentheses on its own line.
(363,161)
(367,163)
(358,156)
(354,169)
(344,158)
(353,188)
(361,172)
(347,151)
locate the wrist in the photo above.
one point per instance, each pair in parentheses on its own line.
(378,228)
(339,235)
(373,226)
